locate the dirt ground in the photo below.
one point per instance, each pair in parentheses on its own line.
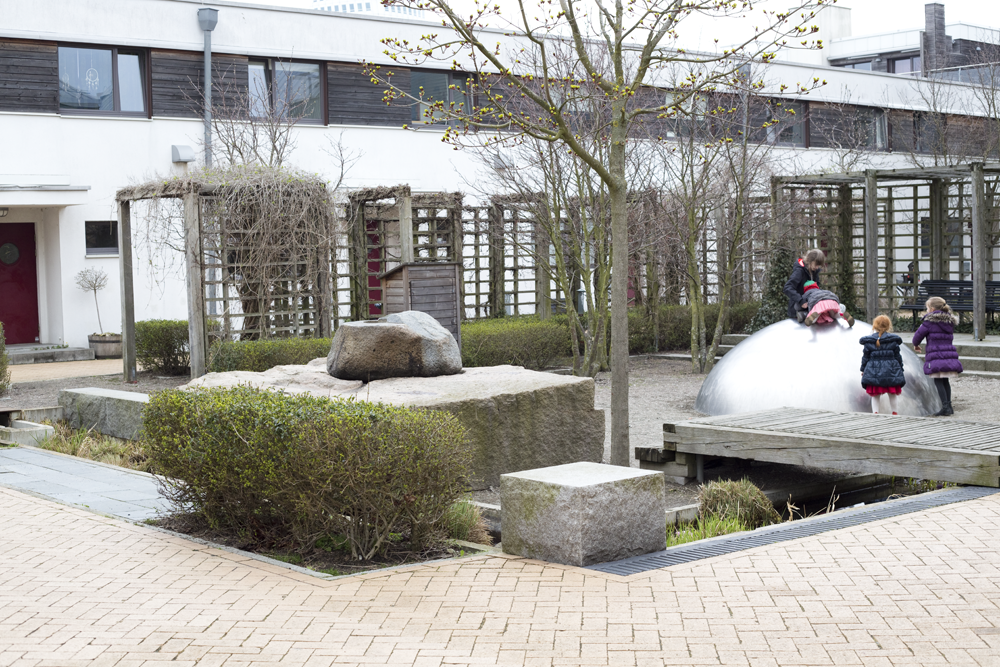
(23,395)
(660,391)
(664,390)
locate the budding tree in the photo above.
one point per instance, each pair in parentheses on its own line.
(530,75)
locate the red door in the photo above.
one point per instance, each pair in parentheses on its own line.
(18,283)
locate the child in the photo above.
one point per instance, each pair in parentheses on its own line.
(824,306)
(882,364)
(806,268)
(941,361)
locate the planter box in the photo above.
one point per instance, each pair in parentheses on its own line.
(106,347)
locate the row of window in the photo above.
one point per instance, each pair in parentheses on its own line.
(113,81)
(907,65)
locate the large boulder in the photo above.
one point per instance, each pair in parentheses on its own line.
(516,419)
(407,344)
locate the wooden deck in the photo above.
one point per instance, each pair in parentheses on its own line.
(946,450)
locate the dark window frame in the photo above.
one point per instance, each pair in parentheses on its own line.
(910,58)
(103,251)
(324,118)
(145,70)
(451,74)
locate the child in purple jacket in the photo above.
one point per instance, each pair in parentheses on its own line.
(941,361)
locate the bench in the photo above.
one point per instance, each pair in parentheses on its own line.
(958,294)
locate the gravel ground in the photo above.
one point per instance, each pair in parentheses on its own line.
(660,391)
(664,390)
(45,394)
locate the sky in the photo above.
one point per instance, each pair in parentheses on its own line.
(867,16)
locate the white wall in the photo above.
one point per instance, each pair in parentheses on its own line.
(110,153)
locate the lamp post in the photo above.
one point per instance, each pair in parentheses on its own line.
(207,19)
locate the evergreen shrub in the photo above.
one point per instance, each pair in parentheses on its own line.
(288,470)
(519,341)
(260,355)
(161,346)
(774,305)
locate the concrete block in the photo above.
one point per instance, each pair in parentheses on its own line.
(22,432)
(108,411)
(583,513)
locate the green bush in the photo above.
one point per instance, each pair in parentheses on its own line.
(675,326)
(519,341)
(260,355)
(288,470)
(737,500)
(4,371)
(161,346)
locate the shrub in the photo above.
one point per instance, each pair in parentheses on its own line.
(161,346)
(282,469)
(739,500)
(260,355)
(519,341)
(702,529)
(774,306)
(4,370)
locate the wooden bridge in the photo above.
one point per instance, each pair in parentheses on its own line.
(945,450)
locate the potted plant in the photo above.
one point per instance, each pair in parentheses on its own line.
(104,345)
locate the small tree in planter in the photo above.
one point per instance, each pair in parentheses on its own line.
(104,345)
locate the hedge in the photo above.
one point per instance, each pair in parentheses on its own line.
(161,346)
(260,355)
(288,470)
(675,326)
(519,341)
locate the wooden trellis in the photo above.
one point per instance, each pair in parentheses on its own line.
(888,230)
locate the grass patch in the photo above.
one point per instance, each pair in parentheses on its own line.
(89,444)
(464,521)
(702,529)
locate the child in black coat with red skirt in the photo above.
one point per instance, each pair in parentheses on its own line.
(882,364)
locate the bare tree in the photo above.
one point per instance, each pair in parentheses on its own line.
(93,280)
(528,78)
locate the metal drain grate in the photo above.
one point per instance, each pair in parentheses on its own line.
(687,553)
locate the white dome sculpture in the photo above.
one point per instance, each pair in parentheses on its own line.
(791,365)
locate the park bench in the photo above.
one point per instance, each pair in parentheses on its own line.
(958,294)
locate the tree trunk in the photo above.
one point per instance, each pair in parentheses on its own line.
(619,298)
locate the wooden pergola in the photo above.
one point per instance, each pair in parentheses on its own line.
(938,179)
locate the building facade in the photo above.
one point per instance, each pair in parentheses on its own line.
(98,95)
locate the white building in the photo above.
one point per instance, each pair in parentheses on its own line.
(94,96)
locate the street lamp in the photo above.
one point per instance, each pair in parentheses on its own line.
(208,19)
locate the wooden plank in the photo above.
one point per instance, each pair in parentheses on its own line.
(848,455)
(871,244)
(197,326)
(980,266)
(424,283)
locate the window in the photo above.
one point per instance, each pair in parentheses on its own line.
(102,237)
(909,65)
(865,66)
(292,90)
(787,124)
(870,128)
(101,80)
(451,88)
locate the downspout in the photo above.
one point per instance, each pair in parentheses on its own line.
(207,19)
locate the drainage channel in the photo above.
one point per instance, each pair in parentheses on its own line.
(793,530)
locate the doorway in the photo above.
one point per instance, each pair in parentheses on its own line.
(18,283)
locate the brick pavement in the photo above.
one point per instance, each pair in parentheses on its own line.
(81,589)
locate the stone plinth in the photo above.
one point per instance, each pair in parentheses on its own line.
(516,419)
(583,513)
(108,411)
